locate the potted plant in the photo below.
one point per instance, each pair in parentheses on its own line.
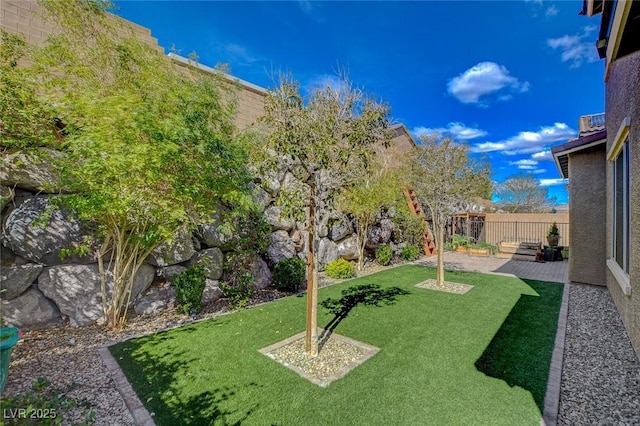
(9,336)
(553,236)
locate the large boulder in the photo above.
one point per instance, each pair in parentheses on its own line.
(348,248)
(261,273)
(14,280)
(31,310)
(38,234)
(211,292)
(274,217)
(212,260)
(260,197)
(281,246)
(380,234)
(34,170)
(341,229)
(170,272)
(177,250)
(155,300)
(76,290)
(327,253)
(210,233)
(6,195)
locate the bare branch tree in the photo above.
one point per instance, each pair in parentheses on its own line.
(523,194)
(445,179)
(329,137)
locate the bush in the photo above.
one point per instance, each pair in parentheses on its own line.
(410,252)
(189,287)
(289,274)
(384,253)
(239,291)
(340,268)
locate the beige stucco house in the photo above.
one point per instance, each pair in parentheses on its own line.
(606,169)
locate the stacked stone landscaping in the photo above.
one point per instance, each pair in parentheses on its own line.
(42,289)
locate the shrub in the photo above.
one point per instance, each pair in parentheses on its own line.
(409,228)
(384,253)
(289,274)
(460,241)
(239,292)
(189,287)
(340,268)
(410,252)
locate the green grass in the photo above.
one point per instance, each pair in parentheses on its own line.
(479,358)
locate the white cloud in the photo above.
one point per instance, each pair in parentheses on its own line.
(240,55)
(483,79)
(538,171)
(525,164)
(456,130)
(551,11)
(544,155)
(322,81)
(552,182)
(528,142)
(576,49)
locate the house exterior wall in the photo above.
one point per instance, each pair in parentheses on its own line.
(623,101)
(587,186)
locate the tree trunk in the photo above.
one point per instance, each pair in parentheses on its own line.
(440,251)
(311,337)
(362,242)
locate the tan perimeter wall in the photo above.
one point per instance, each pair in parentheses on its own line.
(622,101)
(587,186)
(23,17)
(525,227)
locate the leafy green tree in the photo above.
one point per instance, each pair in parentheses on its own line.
(523,194)
(148,147)
(329,138)
(445,178)
(375,191)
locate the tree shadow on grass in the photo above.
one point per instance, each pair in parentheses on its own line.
(520,352)
(364,294)
(154,366)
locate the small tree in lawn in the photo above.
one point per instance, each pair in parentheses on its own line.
(377,190)
(329,138)
(147,148)
(444,177)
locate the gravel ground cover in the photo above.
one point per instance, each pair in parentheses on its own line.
(601,373)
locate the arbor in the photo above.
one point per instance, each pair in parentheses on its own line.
(445,178)
(379,189)
(329,137)
(523,194)
(147,147)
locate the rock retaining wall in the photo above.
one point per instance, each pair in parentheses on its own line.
(41,289)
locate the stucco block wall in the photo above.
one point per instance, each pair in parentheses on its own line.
(622,101)
(587,186)
(24,17)
(250,106)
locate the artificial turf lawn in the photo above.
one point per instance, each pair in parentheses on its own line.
(478,358)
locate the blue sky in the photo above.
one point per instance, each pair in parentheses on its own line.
(510,78)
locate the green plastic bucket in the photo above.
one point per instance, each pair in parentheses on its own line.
(8,339)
